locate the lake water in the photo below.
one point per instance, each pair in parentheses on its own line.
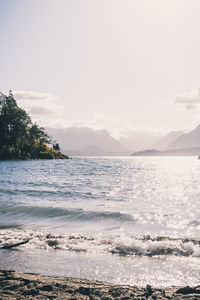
(129,220)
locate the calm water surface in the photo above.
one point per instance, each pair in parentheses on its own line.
(124,220)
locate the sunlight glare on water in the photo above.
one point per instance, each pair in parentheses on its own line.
(138,210)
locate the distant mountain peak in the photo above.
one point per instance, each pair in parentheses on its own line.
(196,129)
(187,140)
(164,142)
(86,140)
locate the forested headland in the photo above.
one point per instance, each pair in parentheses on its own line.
(20,138)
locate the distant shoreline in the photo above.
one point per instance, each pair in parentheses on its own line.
(174,152)
(15,285)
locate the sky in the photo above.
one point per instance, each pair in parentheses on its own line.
(121,65)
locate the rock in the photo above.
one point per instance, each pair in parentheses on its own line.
(148,290)
(32,292)
(84,290)
(185,290)
(148,287)
(46,287)
(52,243)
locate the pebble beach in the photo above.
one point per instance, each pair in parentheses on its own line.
(21,286)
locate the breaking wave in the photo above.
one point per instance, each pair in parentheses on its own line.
(101,243)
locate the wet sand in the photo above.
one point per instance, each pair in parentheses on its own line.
(21,286)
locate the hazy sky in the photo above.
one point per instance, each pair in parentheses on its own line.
(116,64)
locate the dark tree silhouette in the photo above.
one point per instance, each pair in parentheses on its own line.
(19,137)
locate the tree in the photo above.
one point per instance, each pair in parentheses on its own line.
(56,147)
(19,137)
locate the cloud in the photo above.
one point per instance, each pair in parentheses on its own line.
(39,111)
(116,126)
(31,95)
(44,108)
(189,101)
(37,102)
(48,110)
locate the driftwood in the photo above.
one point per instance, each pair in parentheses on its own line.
(8,246)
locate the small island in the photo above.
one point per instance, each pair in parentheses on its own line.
(20,138)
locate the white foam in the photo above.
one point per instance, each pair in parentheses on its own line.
(102,243)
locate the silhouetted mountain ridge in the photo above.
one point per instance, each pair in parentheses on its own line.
(174,152)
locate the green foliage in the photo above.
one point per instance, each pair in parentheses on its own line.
(19,137)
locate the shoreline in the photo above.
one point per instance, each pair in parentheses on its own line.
(14,285)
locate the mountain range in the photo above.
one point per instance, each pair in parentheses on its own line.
(179,144)
(167,140)
(86,141)
(140,140)
(77,141)
(187,140)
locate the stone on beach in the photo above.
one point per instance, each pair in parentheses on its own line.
(21,286)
